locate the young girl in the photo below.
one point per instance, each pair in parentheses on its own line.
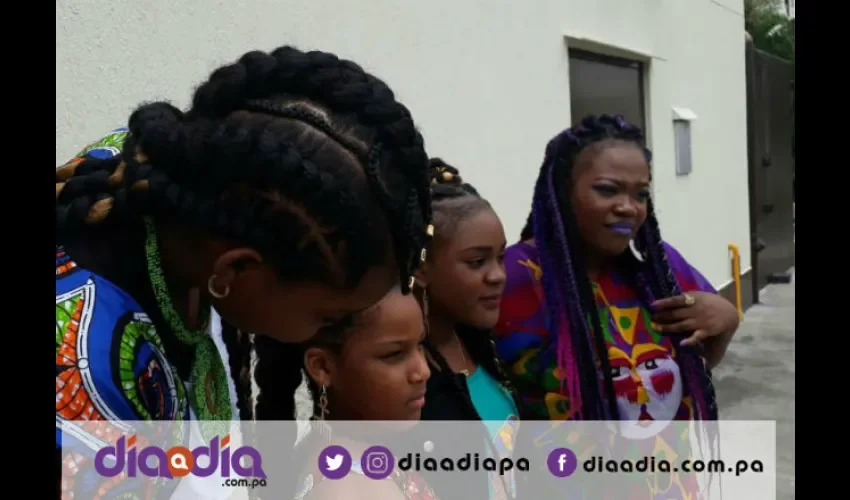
(292,194)
(601,319)
(375,371)
(462,282)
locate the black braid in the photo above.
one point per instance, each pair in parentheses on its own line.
(452,199)
(300,155)
(239,348)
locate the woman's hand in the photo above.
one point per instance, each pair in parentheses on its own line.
(710,317)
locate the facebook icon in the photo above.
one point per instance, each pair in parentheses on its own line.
(562,462)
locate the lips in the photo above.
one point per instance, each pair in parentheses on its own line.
(492,301)
(622,228)
(418,401)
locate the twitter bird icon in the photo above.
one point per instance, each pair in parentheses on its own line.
(334,462)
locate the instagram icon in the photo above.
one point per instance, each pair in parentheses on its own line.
(377,462)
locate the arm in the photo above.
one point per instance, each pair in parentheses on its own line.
(97,398)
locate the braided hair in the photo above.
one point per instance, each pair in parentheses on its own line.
(452,201)
(300,155)
(581,350)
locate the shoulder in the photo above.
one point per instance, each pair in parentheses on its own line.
(688,276)
(107,146)
(110,361)
(522,264)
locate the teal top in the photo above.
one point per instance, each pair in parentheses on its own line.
(493,403)
(498,411)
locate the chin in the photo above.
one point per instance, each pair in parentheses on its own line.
(614,249)
(486,320)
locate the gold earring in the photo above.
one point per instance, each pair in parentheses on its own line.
(215,293)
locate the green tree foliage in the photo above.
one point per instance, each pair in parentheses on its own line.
(770,28)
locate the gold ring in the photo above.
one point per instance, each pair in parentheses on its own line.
(689,300)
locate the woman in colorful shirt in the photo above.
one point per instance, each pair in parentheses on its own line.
(291,195)
(601,319)
(373,370)
(461,287)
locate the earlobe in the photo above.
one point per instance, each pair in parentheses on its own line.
(421,276)
(318,365)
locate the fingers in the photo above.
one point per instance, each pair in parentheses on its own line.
(672,315)
(696,338)
(679,301)
(687,325)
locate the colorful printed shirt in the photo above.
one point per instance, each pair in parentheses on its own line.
(645,372)
(111,368)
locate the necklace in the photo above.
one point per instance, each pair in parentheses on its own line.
(465,371)
(210,395)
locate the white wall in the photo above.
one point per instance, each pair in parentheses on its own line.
(486,80)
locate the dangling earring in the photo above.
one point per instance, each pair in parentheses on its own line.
(322,426)
(323,403)
(635,251)
(215,293)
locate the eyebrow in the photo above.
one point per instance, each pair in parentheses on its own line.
(619,182)
(479,249)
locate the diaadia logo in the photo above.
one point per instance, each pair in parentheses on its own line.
(178,461)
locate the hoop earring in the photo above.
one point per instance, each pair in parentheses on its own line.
(639,256)
(215,293)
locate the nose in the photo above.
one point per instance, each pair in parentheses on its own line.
(627,207)
(419,371)
(496,276)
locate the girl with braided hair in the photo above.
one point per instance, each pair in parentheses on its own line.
(460,287)
(601,319)
(292,194)
(371,370)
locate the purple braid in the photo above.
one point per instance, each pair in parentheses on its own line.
(563,291)
(567,362)
(696,377)
(578,322)
(694,372)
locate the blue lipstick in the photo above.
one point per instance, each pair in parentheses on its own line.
(622,228)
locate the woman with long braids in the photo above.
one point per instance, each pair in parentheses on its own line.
(460,286)
(292,194)
(601,319)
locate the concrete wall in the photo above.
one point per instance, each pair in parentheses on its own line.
(486,80)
